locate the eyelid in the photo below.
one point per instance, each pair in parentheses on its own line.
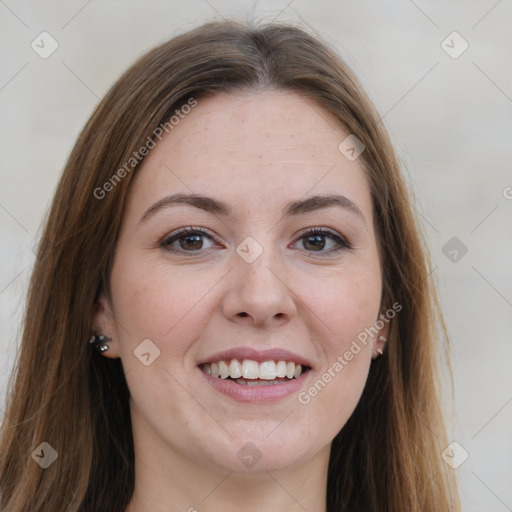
(324,231)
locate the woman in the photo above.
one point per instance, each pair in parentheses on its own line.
(231,304)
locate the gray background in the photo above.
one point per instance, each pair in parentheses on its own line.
(450,119)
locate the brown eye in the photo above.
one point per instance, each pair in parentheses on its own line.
(191,242)
(316,240)
(188,240)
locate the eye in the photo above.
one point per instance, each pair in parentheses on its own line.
(317,239)
(189,240)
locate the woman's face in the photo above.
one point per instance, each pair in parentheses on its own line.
(249,285)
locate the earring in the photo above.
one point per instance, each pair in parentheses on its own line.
(99,342)
(382,340)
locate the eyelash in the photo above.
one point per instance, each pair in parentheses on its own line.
(343,244)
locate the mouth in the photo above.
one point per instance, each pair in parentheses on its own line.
(248,372)
(248,375)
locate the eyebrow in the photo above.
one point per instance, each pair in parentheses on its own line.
(218,207)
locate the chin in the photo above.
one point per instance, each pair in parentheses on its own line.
(265,450)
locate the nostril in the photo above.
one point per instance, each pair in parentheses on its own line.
(243,313)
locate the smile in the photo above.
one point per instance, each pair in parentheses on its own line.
(251,373)
(245,374)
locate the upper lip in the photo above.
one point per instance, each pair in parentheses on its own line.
(241,353)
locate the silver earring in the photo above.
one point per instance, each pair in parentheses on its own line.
(99,342)
(382,340)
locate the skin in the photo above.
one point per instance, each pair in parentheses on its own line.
(256,151)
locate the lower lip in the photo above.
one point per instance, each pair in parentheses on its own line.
(242,393)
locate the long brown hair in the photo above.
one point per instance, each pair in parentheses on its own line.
(387,456)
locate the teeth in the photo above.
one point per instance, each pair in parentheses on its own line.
(290,370)
(268,370)
(252,373)
(215,370)
(254,383)
(281,369)
(235,369)
(224,370)
(250,369)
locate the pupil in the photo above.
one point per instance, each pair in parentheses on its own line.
(196,240)
(318,241)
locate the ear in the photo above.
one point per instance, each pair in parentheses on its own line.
(103,323)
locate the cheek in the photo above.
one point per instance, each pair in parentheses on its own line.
(348,308)
(346,303)
(159,302)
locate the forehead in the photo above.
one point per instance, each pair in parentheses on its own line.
(243,147)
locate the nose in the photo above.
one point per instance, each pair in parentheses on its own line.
(258,293)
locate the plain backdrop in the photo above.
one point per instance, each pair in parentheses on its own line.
(446,99)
